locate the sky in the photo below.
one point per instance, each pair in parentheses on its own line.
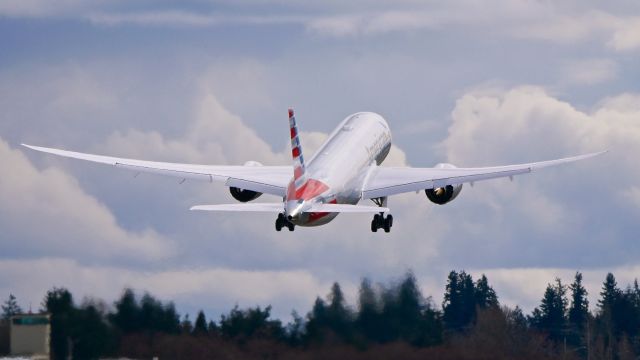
(467,82)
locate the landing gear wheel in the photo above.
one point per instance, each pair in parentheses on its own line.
(290,226)
(280,222)
(381,222)
(387,223)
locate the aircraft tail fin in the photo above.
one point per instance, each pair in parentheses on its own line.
(299,170)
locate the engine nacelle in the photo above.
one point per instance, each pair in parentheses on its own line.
(244,195)
(445,194)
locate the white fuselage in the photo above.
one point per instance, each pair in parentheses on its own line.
(339,169)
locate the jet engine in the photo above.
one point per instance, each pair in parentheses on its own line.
(244,195)
(443,195)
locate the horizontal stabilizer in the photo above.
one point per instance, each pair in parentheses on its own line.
(279,207)
(345,208)
(255,207)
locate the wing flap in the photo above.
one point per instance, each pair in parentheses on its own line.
(391,181)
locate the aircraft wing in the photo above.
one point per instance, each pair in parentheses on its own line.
(385,181)
(265,179)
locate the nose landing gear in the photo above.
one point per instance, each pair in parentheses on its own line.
(381,222)
(281,222)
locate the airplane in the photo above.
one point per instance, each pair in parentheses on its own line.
(345,170)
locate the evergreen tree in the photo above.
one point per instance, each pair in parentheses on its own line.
(609,295)
(212,328)
(185,325)
(91,336)
(59,303)
(608,305)
(317,320)
(338,315)
(516,317)
(369,317)
(200,326)
(452,304)
(419,323)
(485,295)
(468,300)
(550,317)
(579,310)
(410,306)
(150,313)
(251,323)
(169,319)
(626,315)
(459,301)
(295,330)
(127,317)
(10,307)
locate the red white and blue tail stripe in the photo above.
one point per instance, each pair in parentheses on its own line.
(299,171)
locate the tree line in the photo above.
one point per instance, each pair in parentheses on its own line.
(389,320)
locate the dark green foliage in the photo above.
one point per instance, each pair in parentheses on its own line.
(409,316)
(127,315)
(390,321)
(516,317)
(59,303)
(186,326)
(395,313)
(295,330)
(485,295)
(200,327)
(212,328)
(610,294)
(331,317)
(253,322)
(578,311)
(339,317)
(550,316)
(317,321)
(369,321)
(10,307)
(462,299)
(90,333)
(148,315)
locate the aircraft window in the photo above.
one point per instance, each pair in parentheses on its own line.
(347,127)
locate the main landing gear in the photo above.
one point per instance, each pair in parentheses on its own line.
(379,220)
(281,222)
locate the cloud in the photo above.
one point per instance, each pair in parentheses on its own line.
(189,18)
(42,8)
(508,283)
(563,210)
(559,23)
(46,212)
(591,71)
(374,23)
(626,35)
(619,31)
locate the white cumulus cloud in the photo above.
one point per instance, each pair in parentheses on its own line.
(47,212)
